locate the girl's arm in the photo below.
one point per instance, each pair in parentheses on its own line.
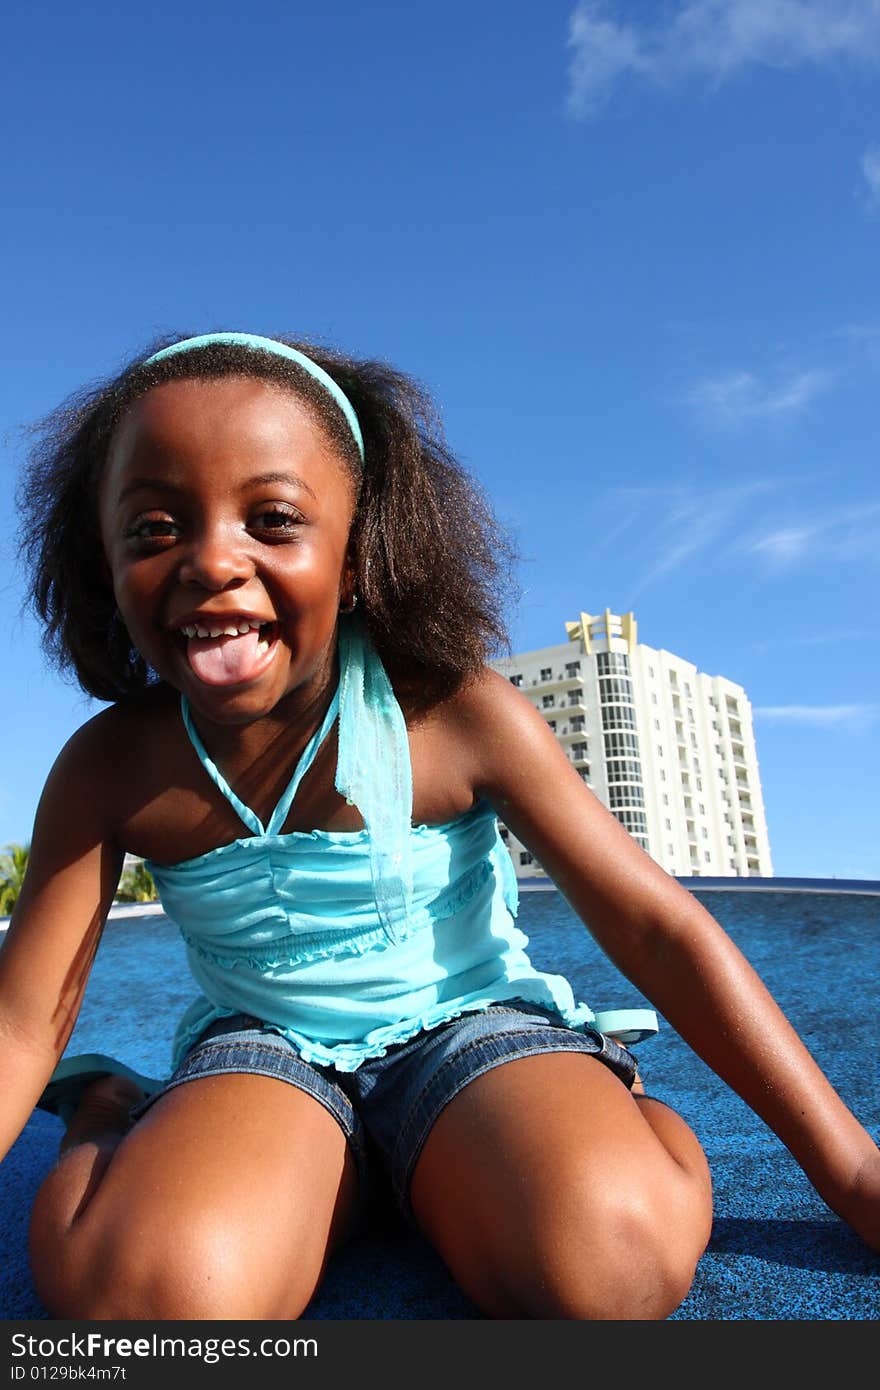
(669,946)
(45,959)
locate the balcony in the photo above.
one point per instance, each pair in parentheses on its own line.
(566,731)
(557,681)
(576,707)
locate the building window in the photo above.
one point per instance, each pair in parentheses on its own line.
(516,680)
(525,857)
(623,770)
(576,723)
(572,668)
(656,723)
(625,796)
(615,688)
(668,824)
(548,701)
(621,745)
(546,673)
(665,799)
(608,663)
(551,724)
(618,717)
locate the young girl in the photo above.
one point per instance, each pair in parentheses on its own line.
(264,558)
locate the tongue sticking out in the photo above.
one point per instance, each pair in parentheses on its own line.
(227,660)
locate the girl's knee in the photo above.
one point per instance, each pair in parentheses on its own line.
(620,1254)
(196,1272)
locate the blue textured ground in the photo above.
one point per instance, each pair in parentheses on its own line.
(776,1251)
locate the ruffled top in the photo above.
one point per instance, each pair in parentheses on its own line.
(347,942)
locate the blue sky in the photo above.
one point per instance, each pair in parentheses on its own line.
(631,247)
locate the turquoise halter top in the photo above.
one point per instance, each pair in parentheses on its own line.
(346,942)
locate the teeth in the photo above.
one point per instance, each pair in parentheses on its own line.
(232,630)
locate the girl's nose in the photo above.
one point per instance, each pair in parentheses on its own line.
(215,560)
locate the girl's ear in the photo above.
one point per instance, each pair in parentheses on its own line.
(348,589)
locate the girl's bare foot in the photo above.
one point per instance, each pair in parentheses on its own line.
(103,1109)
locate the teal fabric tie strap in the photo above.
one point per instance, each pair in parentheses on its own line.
(244,813)
(258,344)
(373,771)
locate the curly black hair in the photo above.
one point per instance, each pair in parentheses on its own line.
(432,564)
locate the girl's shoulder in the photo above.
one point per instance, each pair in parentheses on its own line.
(149,716)
(112,761)
(484,703)
(472,733)
(117,744)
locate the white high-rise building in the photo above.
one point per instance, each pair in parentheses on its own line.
(669,751)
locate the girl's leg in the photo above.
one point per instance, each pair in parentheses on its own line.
(552,1192)
(222,1202)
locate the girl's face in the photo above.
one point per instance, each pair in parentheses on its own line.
(225,514)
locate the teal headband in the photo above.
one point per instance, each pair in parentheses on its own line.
(250,340)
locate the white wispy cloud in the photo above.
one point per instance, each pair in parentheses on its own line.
(845,534)
(831,638)
(871,171)
(711,39)
(689,524)
(852,718)
(685,521)
(859,332)
(741,395)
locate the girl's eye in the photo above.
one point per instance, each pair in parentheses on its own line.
(152,528)
(278,519)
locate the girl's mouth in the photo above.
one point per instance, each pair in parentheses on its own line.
(230,653)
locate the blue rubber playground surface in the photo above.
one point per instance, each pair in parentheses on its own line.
(776,1251)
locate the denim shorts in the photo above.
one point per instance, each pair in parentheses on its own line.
(388,1105)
